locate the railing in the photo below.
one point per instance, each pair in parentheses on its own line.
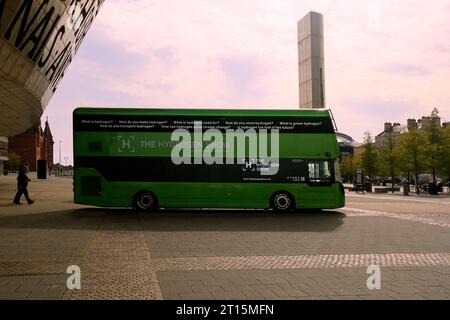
(63,173)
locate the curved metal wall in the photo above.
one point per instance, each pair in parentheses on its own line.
(38,40)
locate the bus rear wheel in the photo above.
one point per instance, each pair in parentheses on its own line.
(145,201)
(282,202)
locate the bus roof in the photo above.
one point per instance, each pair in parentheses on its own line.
(204,112)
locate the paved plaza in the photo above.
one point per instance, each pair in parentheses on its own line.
(222,254)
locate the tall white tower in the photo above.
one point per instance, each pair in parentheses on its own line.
(311,68)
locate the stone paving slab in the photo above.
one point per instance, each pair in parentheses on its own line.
(40,286)
(179,235)
(429,219)
(35,267)
(418,283)
(400,205)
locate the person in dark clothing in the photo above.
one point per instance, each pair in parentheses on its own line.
(22,184)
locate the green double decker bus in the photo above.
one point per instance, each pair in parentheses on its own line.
(197,158)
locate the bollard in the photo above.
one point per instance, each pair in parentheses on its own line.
(432,189)
(406,188)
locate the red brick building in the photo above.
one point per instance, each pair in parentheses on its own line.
(33,145)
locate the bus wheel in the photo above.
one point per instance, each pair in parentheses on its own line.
(282,202)
(145,201)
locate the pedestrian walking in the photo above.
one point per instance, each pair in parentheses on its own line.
(22,184)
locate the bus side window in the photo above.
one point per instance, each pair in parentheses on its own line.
(337,172)
(298,170)
(319,171)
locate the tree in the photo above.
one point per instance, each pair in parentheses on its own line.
(434,150)
(369,156)
(444,160)
(347,167)
(411,152)
(14,161)
(388,156)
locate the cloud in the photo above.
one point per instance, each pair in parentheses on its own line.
(356,116)
(407,69)
(242,76)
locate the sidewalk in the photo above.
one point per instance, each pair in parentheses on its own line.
(442,198)
(411,194)
(349,189)
(51,194)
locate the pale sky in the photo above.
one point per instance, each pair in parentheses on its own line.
(385,60)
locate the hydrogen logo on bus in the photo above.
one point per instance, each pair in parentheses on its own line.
(125,144)
(208,147)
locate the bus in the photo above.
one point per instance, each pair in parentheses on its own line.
(148,159)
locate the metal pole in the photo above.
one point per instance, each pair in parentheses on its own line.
(60,164)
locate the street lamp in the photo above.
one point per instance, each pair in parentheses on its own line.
(59,169)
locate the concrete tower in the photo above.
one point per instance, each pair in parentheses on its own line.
(311,67)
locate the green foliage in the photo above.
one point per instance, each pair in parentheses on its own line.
(348,168)
(370,158)
(434,147)
(411,153)
(14,162)
(388,163)
(444,159)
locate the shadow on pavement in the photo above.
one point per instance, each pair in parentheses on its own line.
(177,220)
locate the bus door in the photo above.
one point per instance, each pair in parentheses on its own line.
(320,181)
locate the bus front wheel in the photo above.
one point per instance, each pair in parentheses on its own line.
(282,202)
(145,201)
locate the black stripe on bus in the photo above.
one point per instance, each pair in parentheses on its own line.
(162,169)
(152,123)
